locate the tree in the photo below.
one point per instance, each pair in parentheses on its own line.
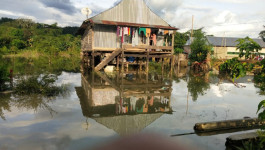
(247,46)
(262,34)
(180,41)
(199,46)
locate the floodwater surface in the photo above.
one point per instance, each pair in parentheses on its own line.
(100,108)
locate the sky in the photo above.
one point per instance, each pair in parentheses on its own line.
(229,18)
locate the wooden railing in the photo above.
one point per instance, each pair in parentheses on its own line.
(147,47)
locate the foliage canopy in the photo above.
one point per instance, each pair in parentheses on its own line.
(180,41)
(24,34)
(247,46)
(199,46)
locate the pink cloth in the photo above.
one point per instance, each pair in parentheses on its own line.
(154,39)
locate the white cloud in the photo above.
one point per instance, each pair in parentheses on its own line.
(236,1)
(225,17)
(217,16)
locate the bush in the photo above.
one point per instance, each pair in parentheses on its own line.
(18,43)
(234,68)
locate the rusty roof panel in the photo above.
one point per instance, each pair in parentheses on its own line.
(105,22)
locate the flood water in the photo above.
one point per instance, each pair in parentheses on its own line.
(101,107)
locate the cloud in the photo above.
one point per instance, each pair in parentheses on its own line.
(164,8)
(63,5)
(217,16)
(225,17)
(236,1)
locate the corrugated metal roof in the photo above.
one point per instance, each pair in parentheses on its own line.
(229,41)
(131,11)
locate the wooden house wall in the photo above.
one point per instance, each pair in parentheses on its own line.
(86,41)
(105,36)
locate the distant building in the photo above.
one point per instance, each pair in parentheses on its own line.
(225,47)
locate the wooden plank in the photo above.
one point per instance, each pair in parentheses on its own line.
(144,56)
(104,49)
(145,85)
(131,50)
(125,94)
(148,47)
(147,62)
(104,77)
(107,59)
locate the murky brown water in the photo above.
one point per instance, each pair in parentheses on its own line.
(101,107)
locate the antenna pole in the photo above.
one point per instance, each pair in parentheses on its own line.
(87,11)
(192,27)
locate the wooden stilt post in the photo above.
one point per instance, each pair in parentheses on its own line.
(93,60)
(127,66)
(172,52)
(147,62)
(178,62)
(162,66)
(118,63)
(141,66)
(122,60)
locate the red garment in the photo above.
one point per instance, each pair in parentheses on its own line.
(122,36)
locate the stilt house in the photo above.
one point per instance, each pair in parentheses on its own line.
(127,34)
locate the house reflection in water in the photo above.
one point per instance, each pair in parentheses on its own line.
(126,103)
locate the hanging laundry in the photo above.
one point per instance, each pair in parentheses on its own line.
(129,31)
(145,108)
(133,102)
(161,32)
(142,30)
(151,101)
(153,38)
(165,32)
(122,35)
(125,30)
(135,38)
(118,31)
(148,32)
(132,31)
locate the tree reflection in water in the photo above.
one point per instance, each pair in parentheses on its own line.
(198,85)
(29,102)
(4,104)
